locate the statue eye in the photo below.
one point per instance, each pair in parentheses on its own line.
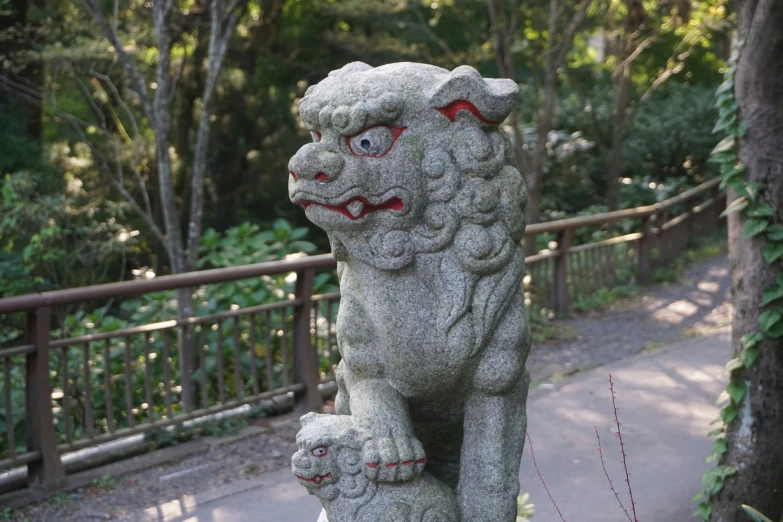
(316,136)
(320,451)
(374,142)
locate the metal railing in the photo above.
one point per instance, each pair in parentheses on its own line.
(86,390)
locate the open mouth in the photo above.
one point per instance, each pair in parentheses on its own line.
(357,207)
(317,479)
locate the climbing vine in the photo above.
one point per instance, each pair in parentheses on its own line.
(760,223)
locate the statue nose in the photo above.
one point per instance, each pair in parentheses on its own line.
(314,162)
(299,461)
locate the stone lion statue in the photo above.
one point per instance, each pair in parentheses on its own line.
(416,186)
(329,465)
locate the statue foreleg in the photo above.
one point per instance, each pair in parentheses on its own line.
(390,451)
(491,452)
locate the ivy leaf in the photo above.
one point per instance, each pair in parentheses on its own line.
(728,156)
(749,340)
(771,293)
(729,413)
(735,206)
(774,232)
(749,356)
(725,145)
(755,515)
(775,331)
(726,86)
(704,511)
(736,390)
(724,122)
(719,447)
(769,319)
(716,431)
(741,189)
(732,365)
(754,227)
(742,130)
(761,210)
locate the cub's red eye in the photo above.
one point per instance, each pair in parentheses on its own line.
(316,136)
(374,142)
(320,451)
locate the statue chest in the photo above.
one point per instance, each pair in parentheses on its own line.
(388,324)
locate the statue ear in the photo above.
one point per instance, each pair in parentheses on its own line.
(308,418)
(489,100)
(351,68)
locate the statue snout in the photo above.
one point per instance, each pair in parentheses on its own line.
(314,163)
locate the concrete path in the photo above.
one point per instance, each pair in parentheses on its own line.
(665,400)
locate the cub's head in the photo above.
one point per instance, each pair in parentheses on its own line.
(328,461)
(407,150)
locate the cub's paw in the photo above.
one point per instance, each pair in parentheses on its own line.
(393,458)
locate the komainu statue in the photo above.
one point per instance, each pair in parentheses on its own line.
(329,465)
(416,186)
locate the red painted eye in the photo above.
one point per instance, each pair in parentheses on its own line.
(320,451)
(316,136)
(374,142)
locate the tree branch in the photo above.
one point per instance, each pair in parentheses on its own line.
(222,24)
(135,77)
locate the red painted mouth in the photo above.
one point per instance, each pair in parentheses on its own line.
(316,479)
(359,206)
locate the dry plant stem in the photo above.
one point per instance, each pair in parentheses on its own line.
(622,448)
(541,477)
(611,485)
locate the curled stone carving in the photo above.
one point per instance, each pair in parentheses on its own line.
(424,211)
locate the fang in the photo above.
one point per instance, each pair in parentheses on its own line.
(355,208)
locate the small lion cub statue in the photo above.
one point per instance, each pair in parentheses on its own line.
(329,464)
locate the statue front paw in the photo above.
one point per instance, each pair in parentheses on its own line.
(393,458)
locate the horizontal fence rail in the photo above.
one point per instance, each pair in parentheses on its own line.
(63,394)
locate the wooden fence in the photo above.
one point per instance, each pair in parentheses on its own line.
(75,392)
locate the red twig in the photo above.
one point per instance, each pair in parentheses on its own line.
(541,477)
(611,485)
(622,448)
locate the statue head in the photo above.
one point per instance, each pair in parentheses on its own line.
(328,462)
(404,155)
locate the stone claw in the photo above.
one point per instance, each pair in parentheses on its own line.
(393,459)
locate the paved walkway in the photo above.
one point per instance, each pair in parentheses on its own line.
(697,303)
(666,402)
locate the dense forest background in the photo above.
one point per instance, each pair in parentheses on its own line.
(621,89)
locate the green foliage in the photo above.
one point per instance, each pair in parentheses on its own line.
(755,515)
(54,239)
(246,242)
(524,508)
(164,437)
(106,482)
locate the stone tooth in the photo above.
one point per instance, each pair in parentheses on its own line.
(355,208)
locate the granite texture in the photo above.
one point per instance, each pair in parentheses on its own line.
(417,189)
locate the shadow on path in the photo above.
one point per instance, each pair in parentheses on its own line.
(696,304)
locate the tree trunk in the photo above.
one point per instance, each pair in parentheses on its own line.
(755,439)
(618,129)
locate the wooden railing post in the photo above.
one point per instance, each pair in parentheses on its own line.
(48,471)
(690,204)
(560,297)
(306,363)
(716,207)
(645,249)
